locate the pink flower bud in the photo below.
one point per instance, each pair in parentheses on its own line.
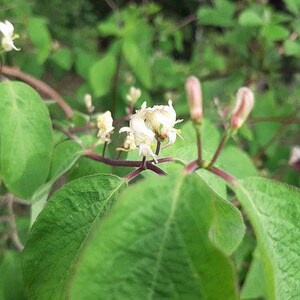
(193,89)
(294,160)
(244,102)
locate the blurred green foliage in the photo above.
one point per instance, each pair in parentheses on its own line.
(86,46)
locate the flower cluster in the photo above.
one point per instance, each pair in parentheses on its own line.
(7,36)
(149,124)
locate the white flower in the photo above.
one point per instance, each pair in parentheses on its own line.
(133,95)
(7,31)
(104,124)
(162,119)
(143,135)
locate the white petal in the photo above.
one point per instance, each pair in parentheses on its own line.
(146,150)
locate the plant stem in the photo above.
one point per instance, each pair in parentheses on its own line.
(122,163)
(157,147)
(145,165)
(223,175)
(199,142)
(155,169)
(13,229)
(220,147)
(134,173)
(191,167)
(283,120)
(40,86)
(104,149)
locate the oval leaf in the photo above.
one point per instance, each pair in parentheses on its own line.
(157,243)
(26,139)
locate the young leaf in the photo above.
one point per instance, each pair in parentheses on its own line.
(137,62)
(26,139)
(159,242)
(101,74)
(274,211)
(62,231)
(40,37)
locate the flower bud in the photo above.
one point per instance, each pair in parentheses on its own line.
(133,95)
(244,102)
(88,103)
(193,89)
(294,160)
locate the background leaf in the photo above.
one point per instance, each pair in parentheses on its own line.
(138,63)
(25,139)
(40,37)
(101,74)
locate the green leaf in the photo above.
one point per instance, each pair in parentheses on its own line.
(61,233)
(254,286)
(63,58)
(101,74)
(40,37)
(221,15)
(250,18)
(11,281)
(275,32)
(158,242)
(83,62)
(26,139)
(292,48)
(274,211)
(65,155)
(237,163)
(138,62)
(293,6)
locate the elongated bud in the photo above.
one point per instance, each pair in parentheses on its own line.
(294,160)
(133,95)
(244,102)
(88,103)
(193,89)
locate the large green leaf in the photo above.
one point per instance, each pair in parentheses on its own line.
(161,241)
(274,211)
(62,231)
(25,138)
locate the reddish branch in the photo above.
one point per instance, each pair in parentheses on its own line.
(39,85)
(283,120)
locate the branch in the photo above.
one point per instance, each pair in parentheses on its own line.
(283,120)
(41,86)
(12,222)
(122,163)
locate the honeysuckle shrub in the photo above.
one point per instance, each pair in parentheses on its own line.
(112,197)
